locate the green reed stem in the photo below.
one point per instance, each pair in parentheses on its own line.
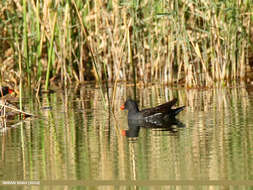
(25,37)
(20,76)
(50,56)
(39,39)
(130,58)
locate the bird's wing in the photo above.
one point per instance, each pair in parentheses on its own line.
(163,108)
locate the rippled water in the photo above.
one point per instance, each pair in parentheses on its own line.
(74,136)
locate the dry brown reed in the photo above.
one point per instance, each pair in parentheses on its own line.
(194,42)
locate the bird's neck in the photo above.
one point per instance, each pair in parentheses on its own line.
(134,110)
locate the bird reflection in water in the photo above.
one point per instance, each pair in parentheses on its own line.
(134,127)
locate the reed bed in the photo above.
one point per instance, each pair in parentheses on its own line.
(196,43)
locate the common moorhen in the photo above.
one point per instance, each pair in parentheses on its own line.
(5,90)
(156,115)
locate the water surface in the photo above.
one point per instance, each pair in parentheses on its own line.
(76,135)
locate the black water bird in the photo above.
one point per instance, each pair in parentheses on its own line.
(158,115)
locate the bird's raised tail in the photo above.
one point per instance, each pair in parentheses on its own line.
(178,110)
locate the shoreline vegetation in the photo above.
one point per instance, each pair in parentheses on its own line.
(194,43)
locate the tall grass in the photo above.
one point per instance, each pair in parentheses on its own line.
(197,42)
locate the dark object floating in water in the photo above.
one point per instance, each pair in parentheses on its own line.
(47,108)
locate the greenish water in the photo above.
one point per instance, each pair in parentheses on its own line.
(74,136)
